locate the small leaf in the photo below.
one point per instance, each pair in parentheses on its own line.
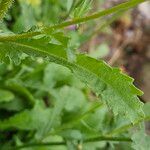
(82,9)
(69,4)
(72,134)
(75,99)
(54,117)
(6,96)
(28,119)
(16,105)
(55,76)
(141,141)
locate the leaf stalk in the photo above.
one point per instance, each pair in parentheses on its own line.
(115,9)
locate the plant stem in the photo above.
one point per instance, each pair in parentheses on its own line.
(102,138)
(14,37)
(106,12)
(120,7)
(96,139)
(39,144)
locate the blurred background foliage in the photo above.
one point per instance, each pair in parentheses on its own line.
(42,101)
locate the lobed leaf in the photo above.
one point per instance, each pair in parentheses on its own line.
(114,87)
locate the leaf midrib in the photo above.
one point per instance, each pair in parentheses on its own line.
(67,64)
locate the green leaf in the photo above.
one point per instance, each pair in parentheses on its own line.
(26,18)
(14,50)
(16,105)
(97,121)
(4,6)
(69,4)
(6,96)
(114,87)
(72,134)
(27,120)
(56,75)
(82,9)
(94,145)
(141,141)
(75,99)
(66,98)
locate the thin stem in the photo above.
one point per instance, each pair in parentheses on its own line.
(14,37)
(96,139)
(109,11)
(103,138)
(106,12)
(39,144)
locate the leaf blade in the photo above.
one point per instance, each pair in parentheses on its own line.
(115,88)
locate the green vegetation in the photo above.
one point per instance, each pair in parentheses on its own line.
(52,96)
